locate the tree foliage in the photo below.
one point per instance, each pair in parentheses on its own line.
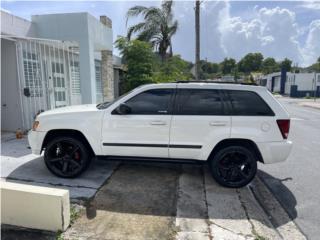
(175,68)
(144,66)
(286,64)
(157,28)
(138,57)
(269,65)
(228,65)
(251,62)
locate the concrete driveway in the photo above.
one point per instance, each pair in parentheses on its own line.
(19,165)
(162,201)
(153,201)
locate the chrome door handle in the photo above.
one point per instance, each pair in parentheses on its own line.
(218,123)
(158,123)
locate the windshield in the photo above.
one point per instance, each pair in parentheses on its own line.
(105,105)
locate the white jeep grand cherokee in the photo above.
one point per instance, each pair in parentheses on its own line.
(229,126)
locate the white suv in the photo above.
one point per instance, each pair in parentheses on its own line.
(229,126)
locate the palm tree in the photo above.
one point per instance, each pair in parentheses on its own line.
(157,28)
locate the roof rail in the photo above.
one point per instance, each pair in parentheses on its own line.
(209,81)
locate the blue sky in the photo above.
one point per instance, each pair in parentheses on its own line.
(228,28)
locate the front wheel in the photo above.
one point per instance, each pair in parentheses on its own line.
(233,166)
(66,157)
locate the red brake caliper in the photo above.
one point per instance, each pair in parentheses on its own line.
(76,156)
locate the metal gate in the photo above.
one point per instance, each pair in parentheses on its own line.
(49,77)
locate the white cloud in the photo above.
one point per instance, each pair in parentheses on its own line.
(184,40)
(272,31)
(311,50)
(313,5)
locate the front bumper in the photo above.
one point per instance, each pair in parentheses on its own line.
(35,139)
(273,152)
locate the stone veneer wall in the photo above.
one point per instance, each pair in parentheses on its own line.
(107,67)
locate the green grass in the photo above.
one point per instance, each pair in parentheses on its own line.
(74,214)
(59,236)
(257,236)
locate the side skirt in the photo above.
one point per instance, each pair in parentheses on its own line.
(148,159)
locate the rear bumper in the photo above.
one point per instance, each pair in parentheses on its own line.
(273,152)
(35,139)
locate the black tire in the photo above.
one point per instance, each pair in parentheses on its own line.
(66,157)
(233,166)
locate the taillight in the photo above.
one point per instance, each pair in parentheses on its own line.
(284,126)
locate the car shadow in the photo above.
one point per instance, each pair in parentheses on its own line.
(284,196)
(35,172)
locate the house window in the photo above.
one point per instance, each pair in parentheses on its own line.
(32,73)
(98,81)
(75,77)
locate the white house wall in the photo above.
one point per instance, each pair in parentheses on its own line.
(16,26)
(11,117)
(304,81)
(88,32)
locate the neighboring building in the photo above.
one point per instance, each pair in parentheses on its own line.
(292,84)
(227,78)
(54,60)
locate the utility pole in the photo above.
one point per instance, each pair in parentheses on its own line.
(315,86)
(197,53)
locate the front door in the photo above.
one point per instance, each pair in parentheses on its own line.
(144,132)
(58,96)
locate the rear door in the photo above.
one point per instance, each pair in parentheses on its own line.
(200,121)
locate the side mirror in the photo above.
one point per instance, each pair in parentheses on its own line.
(123,109)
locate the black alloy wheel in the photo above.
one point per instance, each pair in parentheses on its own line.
(66,157)
(234,166)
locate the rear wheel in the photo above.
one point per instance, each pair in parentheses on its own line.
(66,157)
(233,166)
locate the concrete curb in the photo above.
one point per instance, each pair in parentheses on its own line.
(315,105)
(34,207)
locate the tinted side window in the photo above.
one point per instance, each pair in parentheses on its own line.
(199,102)
(155,101)
(246,103)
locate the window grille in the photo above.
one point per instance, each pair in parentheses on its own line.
(32,73)
(75,77)
(99,90)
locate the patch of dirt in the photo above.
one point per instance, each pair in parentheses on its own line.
(138,202)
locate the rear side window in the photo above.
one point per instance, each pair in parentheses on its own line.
(153,102)
(247,103)
(198,102)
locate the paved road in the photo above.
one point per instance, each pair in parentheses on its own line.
(296,182)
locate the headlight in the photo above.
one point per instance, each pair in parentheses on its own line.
(35,125)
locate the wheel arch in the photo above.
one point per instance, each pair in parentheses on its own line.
(237,142)
(66,133)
